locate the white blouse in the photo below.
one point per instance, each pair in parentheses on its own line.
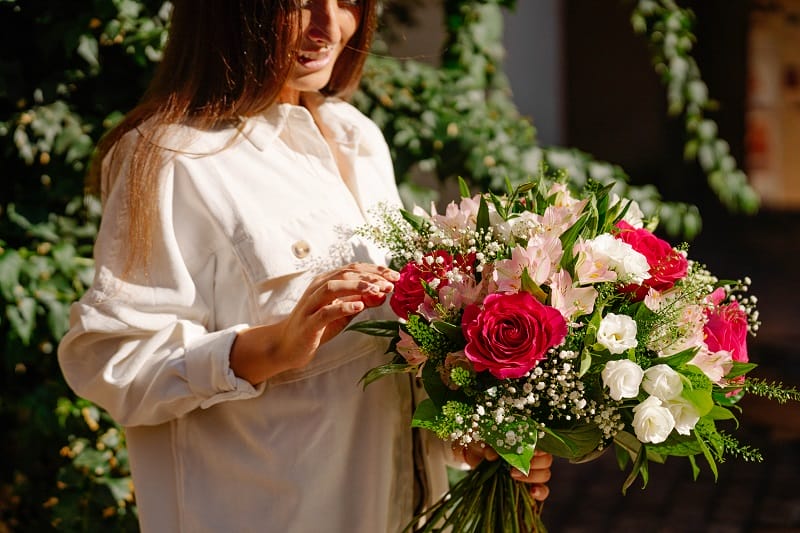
(245,220)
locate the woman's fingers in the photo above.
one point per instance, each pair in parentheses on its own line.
(539,472)
(540,492)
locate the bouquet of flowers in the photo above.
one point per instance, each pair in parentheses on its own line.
(553,319)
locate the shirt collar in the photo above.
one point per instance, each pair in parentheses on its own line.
(262,130)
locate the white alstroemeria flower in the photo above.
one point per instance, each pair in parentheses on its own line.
(634,215)
(622,378)
(630,265)
(617,333)
(520,226)
(662,382)
(685,414)
(652,422)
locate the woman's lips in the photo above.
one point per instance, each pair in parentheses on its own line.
(315,59)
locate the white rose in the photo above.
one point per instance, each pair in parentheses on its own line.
(622,378)
(617,333)
(652,422)
(662,382)
(685,414)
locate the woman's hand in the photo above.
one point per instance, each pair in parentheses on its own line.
(326,307)
(537,477)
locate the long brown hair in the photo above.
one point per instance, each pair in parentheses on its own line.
(224,60)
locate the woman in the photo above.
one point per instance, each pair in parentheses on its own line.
(227,271)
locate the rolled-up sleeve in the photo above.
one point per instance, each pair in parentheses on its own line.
(144,345)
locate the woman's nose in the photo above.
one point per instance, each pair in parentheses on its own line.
(324,26)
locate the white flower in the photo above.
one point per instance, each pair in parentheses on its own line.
(634,215)
(652,422)
(685,414)
(622,378)
(630,265)
(662,382)
(617,333)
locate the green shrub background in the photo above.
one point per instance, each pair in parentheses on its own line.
(69,70)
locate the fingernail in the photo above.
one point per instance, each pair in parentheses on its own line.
(387,287)
(392,275)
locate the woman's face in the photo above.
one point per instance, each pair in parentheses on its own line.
(326,26)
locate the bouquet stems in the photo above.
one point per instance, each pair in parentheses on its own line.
(486,500)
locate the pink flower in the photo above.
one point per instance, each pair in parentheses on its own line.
(409,349)
(510,333)
(571,301)
(540,258)
(726,329)
(667,265)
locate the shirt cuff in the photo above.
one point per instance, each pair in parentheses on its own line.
(209,372)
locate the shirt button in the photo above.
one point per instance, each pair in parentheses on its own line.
(300,249)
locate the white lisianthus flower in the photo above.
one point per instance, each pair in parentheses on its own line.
(662,382)
(685,414)
(617,333)
(622,378)
(652,422)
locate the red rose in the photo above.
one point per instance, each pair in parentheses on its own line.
(408,290)
(667,265)
(726,329)
(510,333)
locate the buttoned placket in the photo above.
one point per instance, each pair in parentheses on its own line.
(300,123)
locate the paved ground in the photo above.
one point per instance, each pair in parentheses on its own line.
(748,497)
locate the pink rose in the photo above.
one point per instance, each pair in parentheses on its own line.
(510,333)
(726,329)
(667,265)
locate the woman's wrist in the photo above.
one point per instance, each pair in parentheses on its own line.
(256,354)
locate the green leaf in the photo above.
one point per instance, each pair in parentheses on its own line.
(463,188)
(482,223)
(425,415)
(119,487)
(451,331)
(530,286)
(385,370)
(518,458)
(677,445)
(10,267)
(376,328)
(571,443)
(417,222)
(720,413)
(678,359)
(437,392)
(22,317)
(740,369)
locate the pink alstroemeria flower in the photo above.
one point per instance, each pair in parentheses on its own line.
(571,301)
(540,258)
